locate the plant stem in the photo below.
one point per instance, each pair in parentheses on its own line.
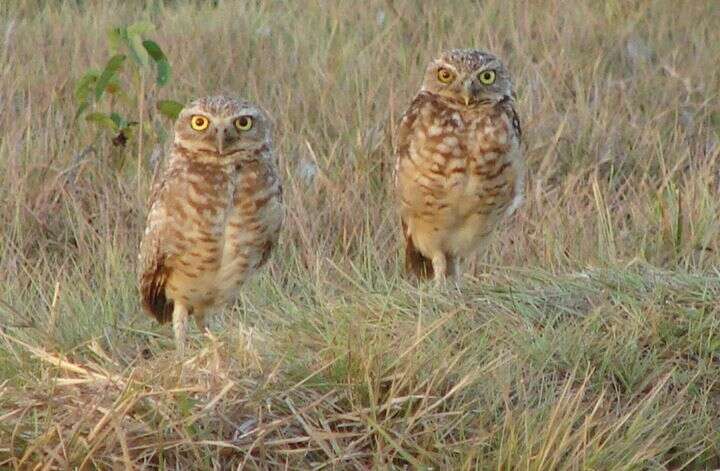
(141,114)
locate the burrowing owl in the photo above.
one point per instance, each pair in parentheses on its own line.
(459,166)
(215,214)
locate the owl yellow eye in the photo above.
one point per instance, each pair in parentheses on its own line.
(244,123)
(487,77)
(445,76)
(199,122)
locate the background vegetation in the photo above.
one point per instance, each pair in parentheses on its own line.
(587,337)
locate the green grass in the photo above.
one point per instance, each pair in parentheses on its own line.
(587,336)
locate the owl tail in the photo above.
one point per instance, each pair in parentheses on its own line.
(415,262)
(152,292)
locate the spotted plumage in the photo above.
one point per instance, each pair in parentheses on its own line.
(459,167)
(215,214)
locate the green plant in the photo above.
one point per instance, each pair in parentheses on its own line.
(125,93)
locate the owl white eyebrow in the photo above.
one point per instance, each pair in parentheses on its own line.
(447,66)
(245,112)
(195,111)
(490,65)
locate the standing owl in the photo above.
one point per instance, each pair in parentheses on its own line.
(459,166)
(215,214)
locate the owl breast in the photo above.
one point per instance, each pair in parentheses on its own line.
(462,172)
(252,227)
(226,232)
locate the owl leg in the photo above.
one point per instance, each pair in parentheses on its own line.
(455,272)
(180,321)
(453,267)
(439,264)
(201,320)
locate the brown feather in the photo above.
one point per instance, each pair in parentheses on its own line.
(152,269)
(152,293)
(415,262)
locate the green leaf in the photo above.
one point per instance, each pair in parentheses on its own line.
(140,27)
(86,85)
(102,119)
(119,121)
(163,66)
(111,69)
(116,38)
(170,108)
(114,86)
(154,50)
(163,73)
(137,50)
(81,109)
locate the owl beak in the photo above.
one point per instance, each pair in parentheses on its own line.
(471,90)
(220,141)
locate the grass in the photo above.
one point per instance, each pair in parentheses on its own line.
(587,336)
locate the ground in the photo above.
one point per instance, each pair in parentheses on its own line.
(587,336)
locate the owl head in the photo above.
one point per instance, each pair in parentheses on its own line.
(468,77)
(223,127)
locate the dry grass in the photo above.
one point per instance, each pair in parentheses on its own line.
(588,337)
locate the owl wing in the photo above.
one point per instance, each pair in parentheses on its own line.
(508,107)
(415,262)
(153,270)
(407,126)
(508,103)
(405,132)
